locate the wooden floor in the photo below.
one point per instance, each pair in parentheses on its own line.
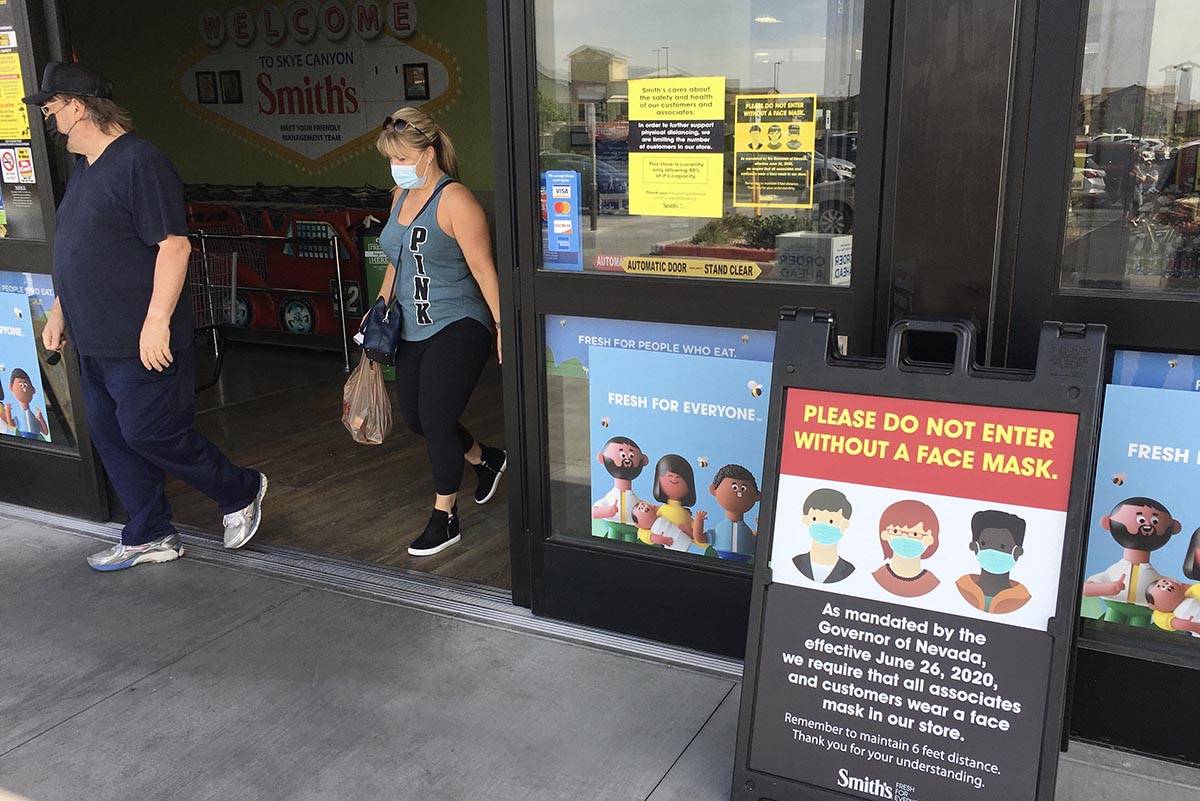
(278,410)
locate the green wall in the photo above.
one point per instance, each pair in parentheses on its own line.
(140,45)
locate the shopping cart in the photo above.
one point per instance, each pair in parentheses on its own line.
(212,284)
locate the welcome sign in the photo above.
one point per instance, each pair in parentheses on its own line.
(310,81)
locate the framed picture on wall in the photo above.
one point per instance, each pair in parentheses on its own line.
(206,87)
(416,81)
(231,86)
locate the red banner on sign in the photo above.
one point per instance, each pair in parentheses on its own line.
(1014,456)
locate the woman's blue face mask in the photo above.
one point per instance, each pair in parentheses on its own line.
(406,177)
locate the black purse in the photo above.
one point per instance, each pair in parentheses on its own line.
(379,334)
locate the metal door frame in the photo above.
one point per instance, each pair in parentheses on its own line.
(581,581)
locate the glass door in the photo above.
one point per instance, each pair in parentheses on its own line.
(680,171)
(1111,208)
(1109,232)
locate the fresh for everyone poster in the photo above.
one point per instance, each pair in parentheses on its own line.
(676,426)
(24,299)
(1143,564)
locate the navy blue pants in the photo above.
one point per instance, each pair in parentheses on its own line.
(142,423)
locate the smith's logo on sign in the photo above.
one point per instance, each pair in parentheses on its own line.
(876,787)
(309,80)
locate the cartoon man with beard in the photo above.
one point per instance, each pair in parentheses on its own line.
(1140,526)
(624,461)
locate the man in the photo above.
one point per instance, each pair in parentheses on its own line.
(120,263)
(1140,526)
(827,516)
(624,461)
(998,541)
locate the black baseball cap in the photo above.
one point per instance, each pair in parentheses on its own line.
(68,78)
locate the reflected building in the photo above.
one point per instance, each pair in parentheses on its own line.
(843,61)
(1117,50)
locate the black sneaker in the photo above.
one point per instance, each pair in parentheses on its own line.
(440,533)
(489,470)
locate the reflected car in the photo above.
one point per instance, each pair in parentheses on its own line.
(1154,150)
(840,144)
(1087,186)
(833,203)
(1112,137)
(843,168)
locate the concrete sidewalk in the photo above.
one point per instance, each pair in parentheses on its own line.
(194,681)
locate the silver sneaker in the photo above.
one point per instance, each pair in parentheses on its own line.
(241,525)
(119,557)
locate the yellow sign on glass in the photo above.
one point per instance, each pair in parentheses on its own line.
(676,146)
(14,115)
(672,267)
(774,141)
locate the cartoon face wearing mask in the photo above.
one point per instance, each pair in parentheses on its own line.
(826,527)
(997,548)
(907,542)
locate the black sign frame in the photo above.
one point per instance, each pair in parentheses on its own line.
(1068,379)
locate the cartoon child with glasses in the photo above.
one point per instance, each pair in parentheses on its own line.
(908,534)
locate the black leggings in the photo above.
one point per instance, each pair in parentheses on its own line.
(434,380)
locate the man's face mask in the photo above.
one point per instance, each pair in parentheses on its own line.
(52,124)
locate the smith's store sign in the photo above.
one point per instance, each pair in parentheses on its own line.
(309,81)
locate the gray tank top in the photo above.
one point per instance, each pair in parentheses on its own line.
(434,286)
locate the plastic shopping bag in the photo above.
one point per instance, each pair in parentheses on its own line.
(366,407)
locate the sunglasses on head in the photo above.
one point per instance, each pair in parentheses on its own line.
(398,124)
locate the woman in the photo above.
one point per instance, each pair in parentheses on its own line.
(908,533)
(675,489)
(442,275)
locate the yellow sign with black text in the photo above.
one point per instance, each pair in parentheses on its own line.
(672,267)
(14,114)
(774,141)
(676,146)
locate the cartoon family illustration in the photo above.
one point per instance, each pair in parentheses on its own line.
(908,535)
(25,420)
(670,524)
(1131,589)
